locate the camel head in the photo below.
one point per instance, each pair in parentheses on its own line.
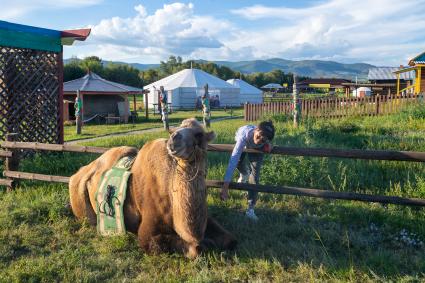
(188,140)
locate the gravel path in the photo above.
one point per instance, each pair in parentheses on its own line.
(137,132)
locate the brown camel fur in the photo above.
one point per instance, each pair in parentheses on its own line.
(166,203)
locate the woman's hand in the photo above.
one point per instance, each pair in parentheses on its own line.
(268,147)
(224,194)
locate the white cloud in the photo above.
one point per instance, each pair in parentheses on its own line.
(11,10)
(381,32)
(384,30)
(173,29)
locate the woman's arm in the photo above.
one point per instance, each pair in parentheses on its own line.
(234,159)
(233,163)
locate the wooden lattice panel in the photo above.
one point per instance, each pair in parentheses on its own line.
(29,94)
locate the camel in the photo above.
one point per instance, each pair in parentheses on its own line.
(166,202)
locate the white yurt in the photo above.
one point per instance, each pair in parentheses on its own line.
(248,93)
(362,92)
(185,87)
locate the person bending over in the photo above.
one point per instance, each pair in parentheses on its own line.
(251,137)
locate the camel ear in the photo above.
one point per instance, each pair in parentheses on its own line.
(210,136)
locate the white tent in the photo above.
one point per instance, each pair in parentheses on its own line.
(186,86)
(362,92)
(249,93)
(272,86)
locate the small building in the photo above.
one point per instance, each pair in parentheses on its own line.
(417,67)
(248,93)
(362,92)
(329,85)
(100,97)
(384,81)
(185,88)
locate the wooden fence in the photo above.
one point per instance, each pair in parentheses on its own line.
(333,107)
(11,154)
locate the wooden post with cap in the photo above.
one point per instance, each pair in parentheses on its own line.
(295,101)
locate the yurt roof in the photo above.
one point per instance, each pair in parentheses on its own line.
(193,78)
(245,87)
(94,83)
(272,85)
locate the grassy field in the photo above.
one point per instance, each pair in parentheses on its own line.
(154,121)
(296,239)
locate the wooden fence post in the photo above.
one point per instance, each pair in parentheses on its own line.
(377,102)
(146,106)
(12,163)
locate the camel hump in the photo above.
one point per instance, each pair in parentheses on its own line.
(85,182)
(155,148)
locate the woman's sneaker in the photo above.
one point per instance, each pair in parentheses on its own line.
(243,178)
(250,214)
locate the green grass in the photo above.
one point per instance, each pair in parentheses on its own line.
(154,121)
(297,238)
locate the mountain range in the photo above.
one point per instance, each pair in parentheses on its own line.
(309,68)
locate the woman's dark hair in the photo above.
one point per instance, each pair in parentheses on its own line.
(267,129)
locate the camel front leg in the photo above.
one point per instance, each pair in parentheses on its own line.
(216,235)
(153,241)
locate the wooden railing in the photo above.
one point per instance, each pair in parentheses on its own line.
(12,162)
(333,107)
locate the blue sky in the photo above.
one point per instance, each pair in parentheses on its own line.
(380,32)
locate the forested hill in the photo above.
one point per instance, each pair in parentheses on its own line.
(307,68)
(130,75)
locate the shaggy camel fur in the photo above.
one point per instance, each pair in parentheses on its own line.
(166,203)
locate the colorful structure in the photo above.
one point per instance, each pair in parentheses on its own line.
(417,65)
(31,81)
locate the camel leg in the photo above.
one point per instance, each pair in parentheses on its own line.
(80,200)
(216,234)
(155,242)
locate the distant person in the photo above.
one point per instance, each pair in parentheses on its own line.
(206,107)
(250,137)
(163,100)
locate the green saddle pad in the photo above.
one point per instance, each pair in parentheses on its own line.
(110,198)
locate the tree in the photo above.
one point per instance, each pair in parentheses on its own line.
(123,74)
(72,71)
(92,64)
(149,76)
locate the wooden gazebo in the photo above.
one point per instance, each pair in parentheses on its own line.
(100,97)
(31,81)
(417,65)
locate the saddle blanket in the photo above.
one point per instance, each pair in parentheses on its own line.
(110,197)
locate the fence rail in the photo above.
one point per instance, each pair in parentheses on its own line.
(317,152)
(389,155)
(283,190)
(5,153)
(333,107)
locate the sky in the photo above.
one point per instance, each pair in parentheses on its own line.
(379,32)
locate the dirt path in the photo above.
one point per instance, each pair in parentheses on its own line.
(137,132)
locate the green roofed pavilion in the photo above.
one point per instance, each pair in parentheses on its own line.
(31,81)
